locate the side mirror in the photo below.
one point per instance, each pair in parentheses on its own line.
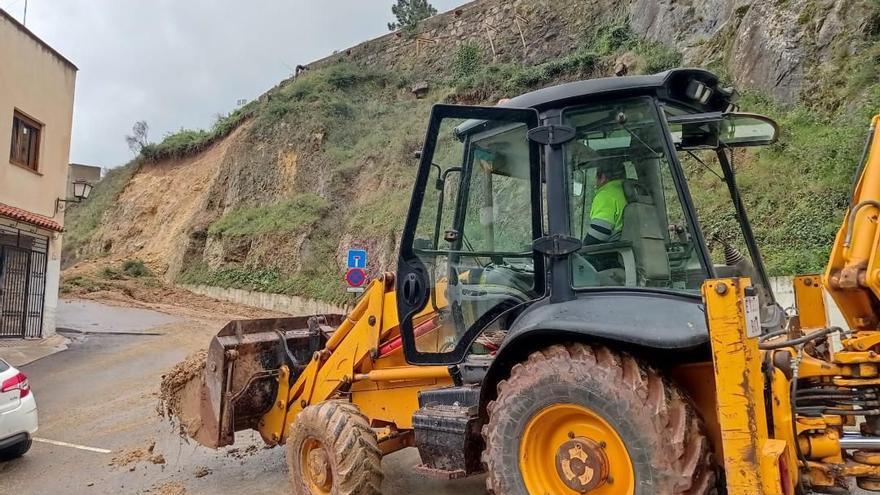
(747,129)
(714,130)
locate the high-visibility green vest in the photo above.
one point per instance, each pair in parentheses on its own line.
(606,213)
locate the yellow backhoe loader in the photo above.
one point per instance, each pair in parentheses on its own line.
(511,342)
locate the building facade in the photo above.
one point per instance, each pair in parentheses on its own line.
(36,113)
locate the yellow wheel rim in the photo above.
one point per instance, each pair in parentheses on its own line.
(569,449)
(315,467)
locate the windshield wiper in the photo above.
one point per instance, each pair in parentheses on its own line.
(701,162)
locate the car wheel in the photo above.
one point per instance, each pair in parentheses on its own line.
(15,451)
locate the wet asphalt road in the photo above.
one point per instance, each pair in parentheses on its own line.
(101,393)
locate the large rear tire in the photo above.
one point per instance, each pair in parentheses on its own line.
(331,450)
(575,419)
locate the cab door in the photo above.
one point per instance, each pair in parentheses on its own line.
(466,263)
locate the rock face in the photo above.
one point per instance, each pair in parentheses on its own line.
(768,51)
(761,44)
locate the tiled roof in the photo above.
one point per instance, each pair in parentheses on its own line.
(28,217)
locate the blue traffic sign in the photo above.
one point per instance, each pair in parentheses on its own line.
(357,258)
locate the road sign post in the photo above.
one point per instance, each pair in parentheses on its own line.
(356,275)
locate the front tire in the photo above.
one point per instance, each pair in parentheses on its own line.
(331,450)
(575,418)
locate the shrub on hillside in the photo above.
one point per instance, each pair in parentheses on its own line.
(286,216)
(187,142)
(135,268)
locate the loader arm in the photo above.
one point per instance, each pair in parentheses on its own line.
(352,358)
(852,277)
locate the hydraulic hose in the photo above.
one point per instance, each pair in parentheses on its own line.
(769,346)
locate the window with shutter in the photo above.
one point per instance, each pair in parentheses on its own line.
(25,149)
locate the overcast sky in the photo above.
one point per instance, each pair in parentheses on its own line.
(178,63)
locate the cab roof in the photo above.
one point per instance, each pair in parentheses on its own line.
(670,85)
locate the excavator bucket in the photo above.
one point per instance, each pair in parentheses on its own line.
(212,395)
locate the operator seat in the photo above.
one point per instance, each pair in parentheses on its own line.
(644,231)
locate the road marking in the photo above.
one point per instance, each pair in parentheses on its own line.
(71,445)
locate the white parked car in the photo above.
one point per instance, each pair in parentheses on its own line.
(18,413)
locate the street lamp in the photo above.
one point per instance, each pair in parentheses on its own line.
(81,191)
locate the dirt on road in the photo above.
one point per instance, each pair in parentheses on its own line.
(100,281)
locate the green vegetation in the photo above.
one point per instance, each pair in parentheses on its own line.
(136,268)
(117,277)
(490,81)
(186,142)
(128,269)
(270,280)
(469,58)
(409,13)
(797,190)
(83,283)
(287,216)
(82,220)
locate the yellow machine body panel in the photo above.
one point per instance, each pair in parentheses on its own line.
(751,457)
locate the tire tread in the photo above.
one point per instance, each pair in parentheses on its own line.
(679,450)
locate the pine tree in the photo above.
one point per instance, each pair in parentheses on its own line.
(409,13)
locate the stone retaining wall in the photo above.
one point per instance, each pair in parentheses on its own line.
(297,306)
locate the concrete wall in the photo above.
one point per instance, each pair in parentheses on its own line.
(37,81)
(297,306)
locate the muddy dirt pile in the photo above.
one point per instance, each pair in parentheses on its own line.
(170,488)
(180,394)
(140,454)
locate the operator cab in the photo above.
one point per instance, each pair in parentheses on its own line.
(515,227)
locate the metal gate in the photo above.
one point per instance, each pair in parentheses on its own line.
(22,284)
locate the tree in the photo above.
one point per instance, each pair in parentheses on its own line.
(409,13)
(137,140)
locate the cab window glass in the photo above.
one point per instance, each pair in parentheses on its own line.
(624,203)
(475,230)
